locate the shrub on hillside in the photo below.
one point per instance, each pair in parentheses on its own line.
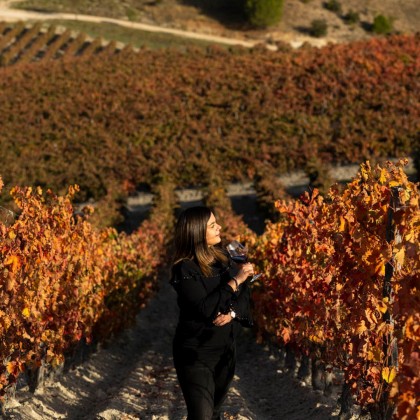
(351,17)
(263,13)
(382,25)
(319,28)
(333,6)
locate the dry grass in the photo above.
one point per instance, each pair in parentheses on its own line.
(200,16)
(134,37)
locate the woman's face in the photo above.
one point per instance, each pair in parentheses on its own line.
(213,231)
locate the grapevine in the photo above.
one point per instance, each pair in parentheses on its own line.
(324,263)
(167,111)
(61,280)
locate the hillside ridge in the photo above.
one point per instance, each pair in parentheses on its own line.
(209,18)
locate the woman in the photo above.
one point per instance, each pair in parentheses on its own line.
(213,299)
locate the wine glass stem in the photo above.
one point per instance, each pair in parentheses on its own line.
(255,277)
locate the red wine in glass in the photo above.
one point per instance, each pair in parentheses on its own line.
(239,254)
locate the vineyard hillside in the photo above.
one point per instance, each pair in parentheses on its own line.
(111,124)
(22,43)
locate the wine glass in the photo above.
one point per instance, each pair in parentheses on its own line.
(239,253)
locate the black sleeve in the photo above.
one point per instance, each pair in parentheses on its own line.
(241,304)
(189,283)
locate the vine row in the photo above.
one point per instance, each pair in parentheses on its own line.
(341,285)
(62,280)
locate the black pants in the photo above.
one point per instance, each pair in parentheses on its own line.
(205,378)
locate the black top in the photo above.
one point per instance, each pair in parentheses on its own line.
(201,298)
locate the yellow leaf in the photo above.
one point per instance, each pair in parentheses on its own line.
(315,339)
(56,361)
(370,316)
(12,235)
(26,312)
(13,260)
(410,236)
(11,366)
(382,270)
(388,374)
(382,177)
(361,327)
(394,183)
(374,354)
(399,257)
(364,173)
(14,367)
(382,307)
(342,227)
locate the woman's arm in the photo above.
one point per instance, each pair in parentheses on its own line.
(241,305)
(239,309)
(190,286)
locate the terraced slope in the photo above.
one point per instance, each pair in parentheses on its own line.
(23,43)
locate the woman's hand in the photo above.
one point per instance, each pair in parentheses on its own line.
(244,272)
(222,319)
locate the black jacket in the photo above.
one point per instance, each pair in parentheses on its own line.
(201,298)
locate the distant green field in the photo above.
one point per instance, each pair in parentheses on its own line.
(134,37)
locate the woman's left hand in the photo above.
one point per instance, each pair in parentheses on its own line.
(222,319)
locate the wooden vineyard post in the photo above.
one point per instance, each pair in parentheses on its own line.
(346,402)
(304,372)
(392,234)
(390,348)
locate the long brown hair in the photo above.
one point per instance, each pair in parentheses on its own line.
(190,239)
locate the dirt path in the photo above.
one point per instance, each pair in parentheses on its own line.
(9,14)
(134,379)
